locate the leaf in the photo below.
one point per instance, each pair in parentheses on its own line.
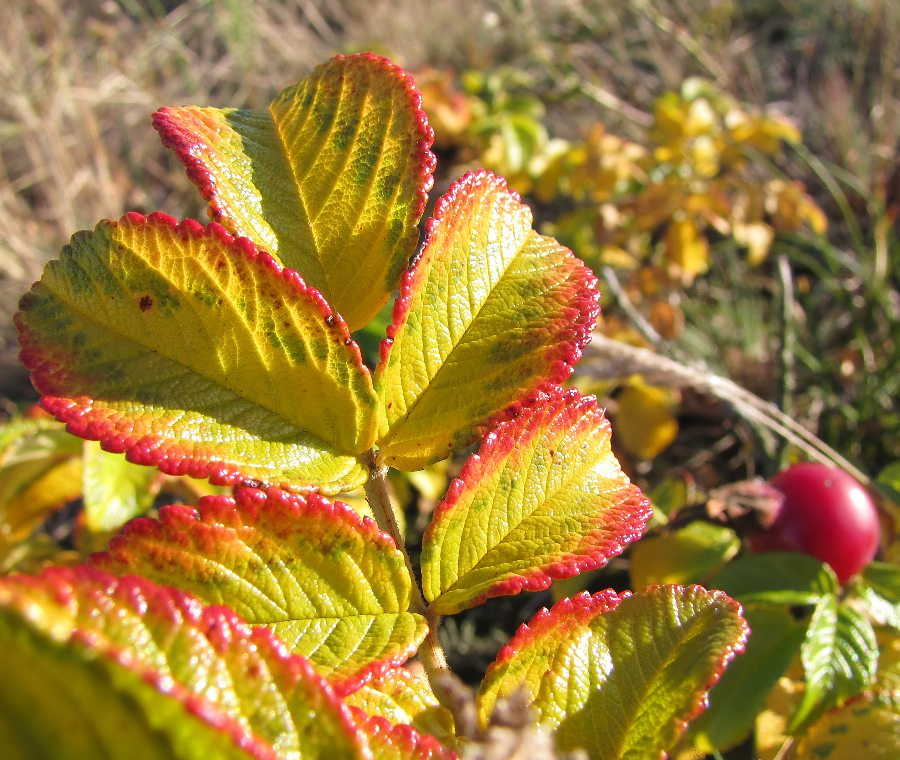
(331,179)
(735,701)
(889,481)
(49,491)
(488,313)
(863,728)
(645,423)
(884,578)
(544,498)
(329,583)
(400,742)
(96,666)
(877,608)
(400,697)
(776,578)
(840,658)
(685,555)
(888,674)
(114,489)
(192,351)
(39,473)
(687,249)
(619,675)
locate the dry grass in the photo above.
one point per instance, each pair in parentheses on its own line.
(78,81)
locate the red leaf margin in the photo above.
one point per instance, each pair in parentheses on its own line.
(583,607)
(77,411)
(508,427)
(583,311)
(246,507)
(219,625)
(182,142)
(408,742)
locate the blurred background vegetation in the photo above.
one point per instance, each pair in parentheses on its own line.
(729,169)
(732,164)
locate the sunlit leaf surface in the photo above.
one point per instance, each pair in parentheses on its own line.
(840,657)
(331,179)
(863,728)
(330,584)
(190,350)
(401,697)
(490,311)
(619,676)
(95,666)
(543,498)
(115,490)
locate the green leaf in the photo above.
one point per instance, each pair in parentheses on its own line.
(488,313)
(889,480)
(115,490)
(331,179)
(879,590)
(685,555)
(400,697)
(194,352)
(544,498)
(619,676)
(884,578)
(95,666)
(776,578)
(734,702)
(840,658)
(331,585)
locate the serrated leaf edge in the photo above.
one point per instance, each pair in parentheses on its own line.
(242,503)
(151,450)
(583,607)
(561,363)
(498,443)
(177,141)
(218,623)
(409,742)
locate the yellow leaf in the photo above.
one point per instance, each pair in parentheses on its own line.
(757,237)
(49,491)
(682,556)
(644,424)
(687,250)
(861,728)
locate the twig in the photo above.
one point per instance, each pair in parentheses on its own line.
(431,652)
(605,358)
(624,303)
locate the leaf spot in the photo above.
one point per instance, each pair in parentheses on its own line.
(146,303)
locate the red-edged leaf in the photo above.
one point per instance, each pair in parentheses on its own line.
(93,663)
(399,742)
(332,178)
(489,312)
(328,582)
(400,697)
(544,498)
(619,675)
(190,350)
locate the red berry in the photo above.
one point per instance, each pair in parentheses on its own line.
(827,514)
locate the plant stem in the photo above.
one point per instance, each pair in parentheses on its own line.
(431,653)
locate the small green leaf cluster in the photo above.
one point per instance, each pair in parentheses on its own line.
(272,620)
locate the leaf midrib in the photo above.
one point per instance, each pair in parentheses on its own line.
(404,420)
